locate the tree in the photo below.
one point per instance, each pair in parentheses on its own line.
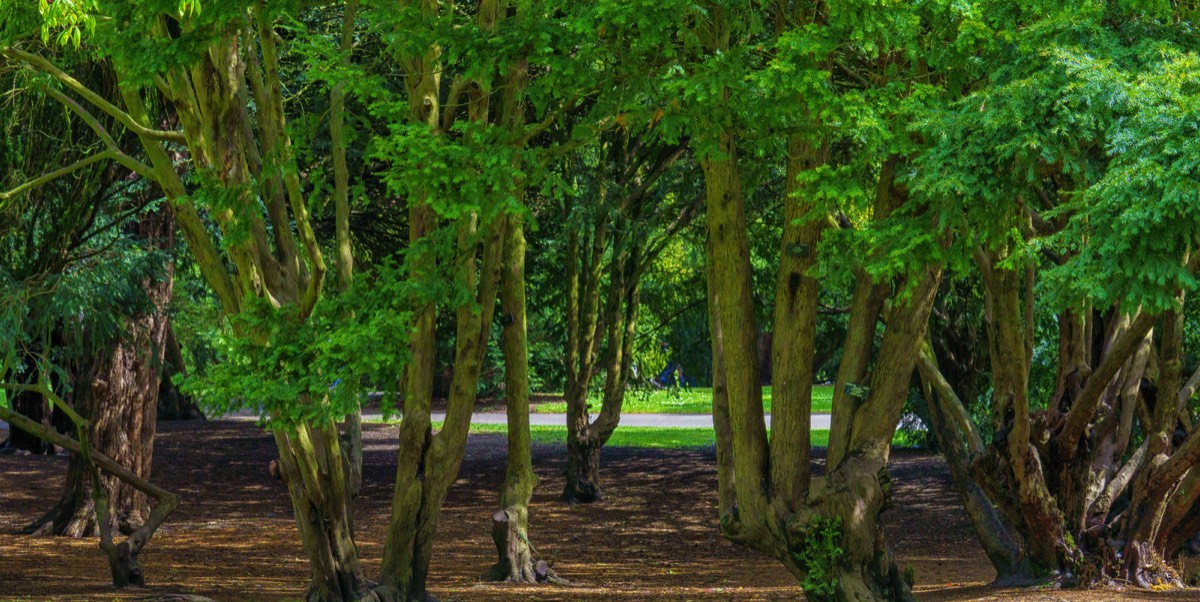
(116,390)
(1055,178)
(100,337)
(768,499)
(207,81)
(611,242)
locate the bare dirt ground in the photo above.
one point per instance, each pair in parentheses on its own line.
(654,537)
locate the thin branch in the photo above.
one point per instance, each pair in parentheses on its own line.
(39,63)
(452,102)
(58,173)
(547,122)
(133,164)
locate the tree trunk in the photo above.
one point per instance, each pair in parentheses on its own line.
(1016,478)
(958,440)
(351,439)
(118,394)
(584,269)
(727,232)
(428,462)
(853,494)
(795,329)
(1153,484)
(828,532)
(586,437)
(583,471)
(517,561)
(173,404)
(312,466)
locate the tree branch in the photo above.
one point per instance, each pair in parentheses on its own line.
(133,164)
(39,63)
(1085,406)
(58,173)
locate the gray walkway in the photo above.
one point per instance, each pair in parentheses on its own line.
(820,422)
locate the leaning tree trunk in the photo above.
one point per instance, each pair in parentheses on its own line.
(958,440)
(118,395)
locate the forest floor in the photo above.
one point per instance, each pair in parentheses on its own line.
(654,537)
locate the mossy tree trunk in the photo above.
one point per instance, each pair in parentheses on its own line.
(1083,505)
(518,561)
(428,462)
(767,497)
(352,446)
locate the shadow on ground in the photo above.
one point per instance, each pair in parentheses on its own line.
(654,537)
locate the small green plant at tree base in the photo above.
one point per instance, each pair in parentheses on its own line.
(819,554)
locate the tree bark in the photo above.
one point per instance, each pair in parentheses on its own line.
(312,466)
(517,562)
(428,462)
(958,441)
(757,510)
(117,392)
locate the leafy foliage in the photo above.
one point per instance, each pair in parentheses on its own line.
(819,554)
(294,370)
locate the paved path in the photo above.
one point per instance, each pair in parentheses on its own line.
(820,422)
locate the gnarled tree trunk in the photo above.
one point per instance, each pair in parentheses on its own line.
(118,394)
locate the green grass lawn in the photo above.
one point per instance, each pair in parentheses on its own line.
(697,400)
(635,436)
(662,438)
(646,436)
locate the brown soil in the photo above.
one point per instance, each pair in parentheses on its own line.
(654,537)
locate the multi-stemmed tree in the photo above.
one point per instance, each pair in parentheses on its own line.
(1064,177)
